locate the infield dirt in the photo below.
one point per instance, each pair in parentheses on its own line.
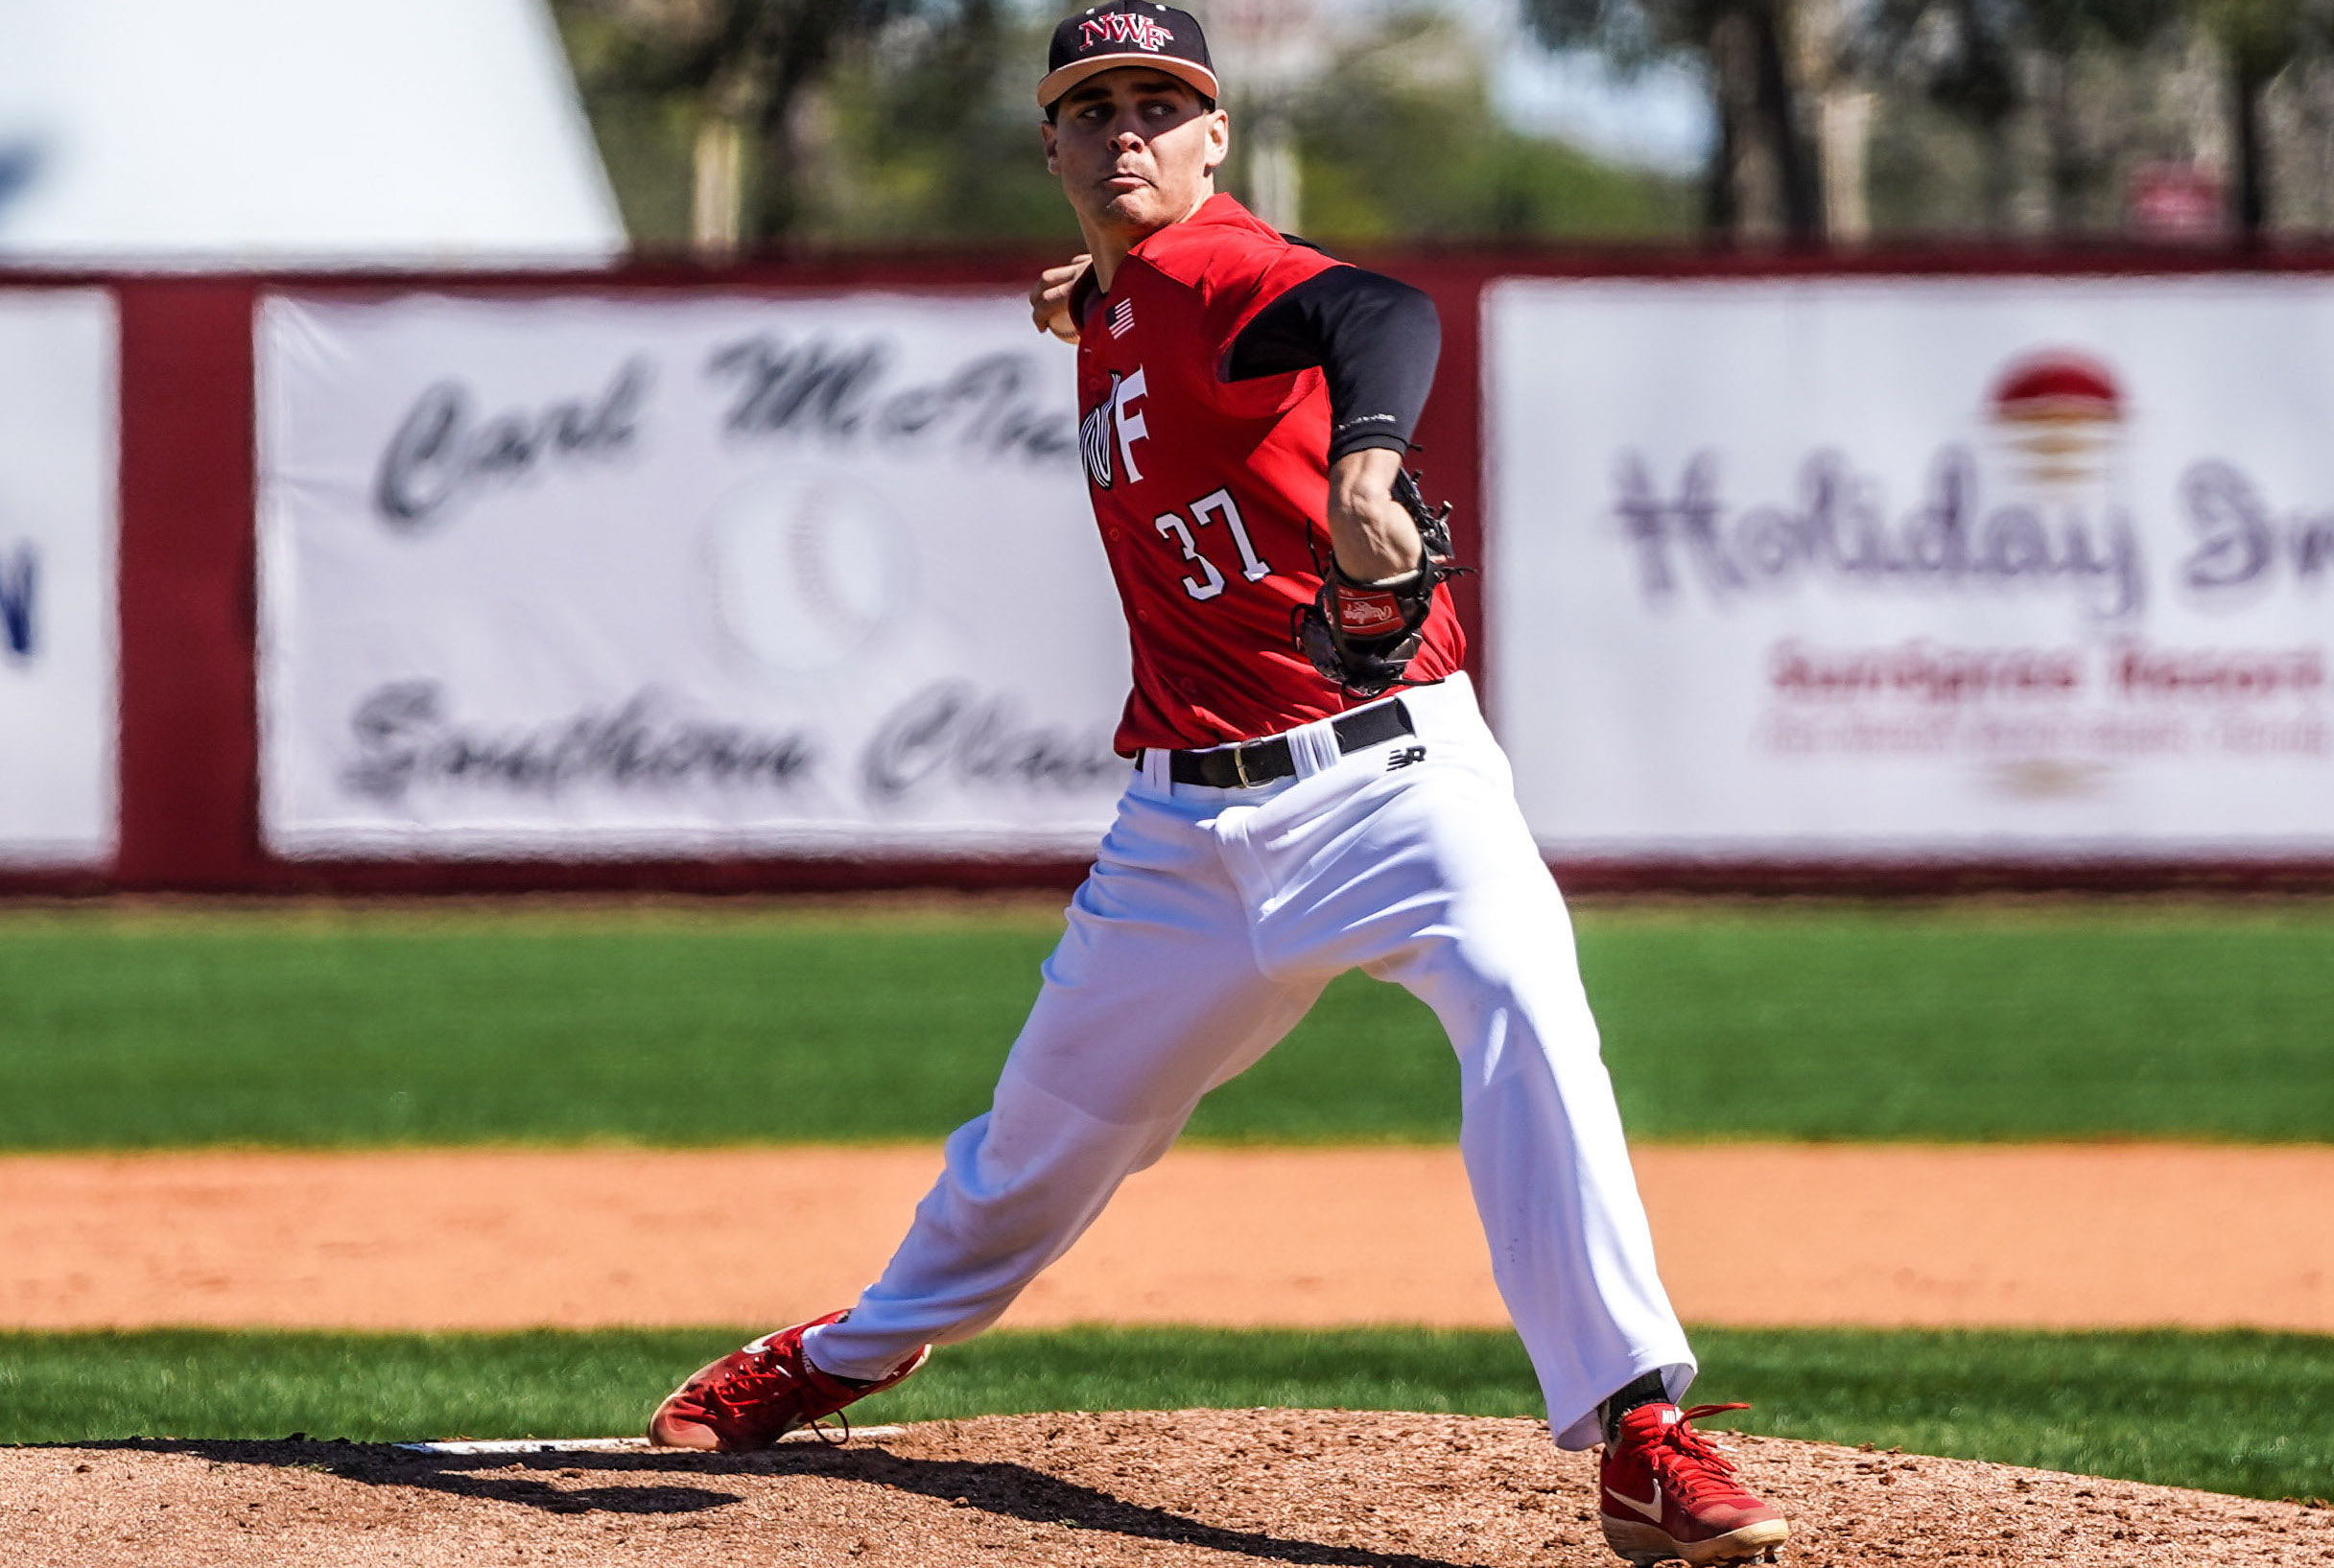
(1894,1235)
(1187,1487)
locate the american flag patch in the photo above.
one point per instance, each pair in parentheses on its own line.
(1122,318)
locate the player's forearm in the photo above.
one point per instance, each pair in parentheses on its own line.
(1372,533)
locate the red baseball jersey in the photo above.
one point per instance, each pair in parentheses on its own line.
(1211,495)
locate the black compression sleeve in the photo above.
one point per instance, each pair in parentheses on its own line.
(1374,340)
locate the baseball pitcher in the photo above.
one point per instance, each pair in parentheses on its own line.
(1312,788)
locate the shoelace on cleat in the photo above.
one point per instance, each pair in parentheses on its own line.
(741,1391)
(739,1394)
(1691,1464)
(737,1399)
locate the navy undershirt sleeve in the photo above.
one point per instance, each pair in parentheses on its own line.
(1376,341)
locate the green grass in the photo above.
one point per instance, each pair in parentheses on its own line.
(712,1025)
(2245,1413)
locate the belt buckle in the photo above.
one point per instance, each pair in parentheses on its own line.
(1240,768)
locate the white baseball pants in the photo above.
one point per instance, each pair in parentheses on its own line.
(1210,921)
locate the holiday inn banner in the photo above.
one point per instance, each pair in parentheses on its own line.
(1874,569)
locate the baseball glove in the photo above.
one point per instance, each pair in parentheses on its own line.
(1363,635)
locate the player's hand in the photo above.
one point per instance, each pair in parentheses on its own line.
(1050,300)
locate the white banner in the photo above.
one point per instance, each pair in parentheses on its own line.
(58,446)
(1936,568)
(678,576)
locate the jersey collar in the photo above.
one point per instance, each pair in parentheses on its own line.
(1220,210)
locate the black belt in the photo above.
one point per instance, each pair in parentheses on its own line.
(1260,762)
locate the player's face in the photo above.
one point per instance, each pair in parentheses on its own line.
(1135,149)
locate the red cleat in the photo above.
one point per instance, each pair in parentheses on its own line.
(752,1397)
(1666,1491)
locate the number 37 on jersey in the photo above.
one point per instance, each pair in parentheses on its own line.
(1107,438)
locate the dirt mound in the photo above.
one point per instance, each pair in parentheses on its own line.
(1347,1488)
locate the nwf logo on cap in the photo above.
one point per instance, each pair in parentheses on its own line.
(1120,28)
(1106,37)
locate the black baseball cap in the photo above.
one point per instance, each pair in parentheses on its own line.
(1126,32)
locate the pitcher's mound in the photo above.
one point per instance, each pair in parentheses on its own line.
(1358,1489)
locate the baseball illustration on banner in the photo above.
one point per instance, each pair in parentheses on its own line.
(696,577)
(808,569)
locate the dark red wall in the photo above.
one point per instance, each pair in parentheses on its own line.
(189,756)
(189,741)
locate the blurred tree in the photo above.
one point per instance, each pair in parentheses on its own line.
(747,66)
(1763,176)
(1398,140)
(934,134)
(2261,40)
(1985,61)
(920,128)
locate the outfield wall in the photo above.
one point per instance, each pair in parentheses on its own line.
(1905,574)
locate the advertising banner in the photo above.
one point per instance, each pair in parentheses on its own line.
(678,576)
(1963,569)
(58,453)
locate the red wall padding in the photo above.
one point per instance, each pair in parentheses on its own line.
(190,742)
(189,739)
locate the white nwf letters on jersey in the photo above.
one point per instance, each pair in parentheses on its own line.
(1094,443)
(1131,426)
(1112,416)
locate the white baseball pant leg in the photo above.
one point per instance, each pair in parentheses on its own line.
(1210,924)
